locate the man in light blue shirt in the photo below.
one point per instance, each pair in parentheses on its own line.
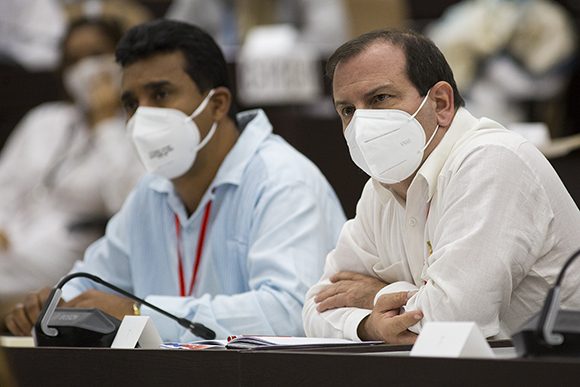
(232,225)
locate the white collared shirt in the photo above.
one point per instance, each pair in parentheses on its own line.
(485,229)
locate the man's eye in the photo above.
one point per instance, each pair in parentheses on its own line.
(160,95)
(381,98)
(347,111)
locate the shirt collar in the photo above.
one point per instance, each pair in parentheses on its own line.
(255,128)
(462,123)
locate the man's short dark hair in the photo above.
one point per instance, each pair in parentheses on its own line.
(205,63)
(426,65)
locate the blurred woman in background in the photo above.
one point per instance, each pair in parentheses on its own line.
(67,167)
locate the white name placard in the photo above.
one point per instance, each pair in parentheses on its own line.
(137,329)
(451,339)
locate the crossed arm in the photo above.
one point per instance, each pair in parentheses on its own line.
(385,322)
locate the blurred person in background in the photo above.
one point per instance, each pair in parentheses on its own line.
(30,32)
(512,59)
(30,53)
(323,24)
(67,167)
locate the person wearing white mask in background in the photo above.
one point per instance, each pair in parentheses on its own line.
(461,219)
(67,166)
(230,227)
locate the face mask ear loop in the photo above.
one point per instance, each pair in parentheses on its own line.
(202,105)
(436,129)
(432,137)
(422,104)
(199,109)
(208,136)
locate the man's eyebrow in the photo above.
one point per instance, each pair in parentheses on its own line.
(338,103)
(150,86)
(386,86)
(367,95)
(156,84)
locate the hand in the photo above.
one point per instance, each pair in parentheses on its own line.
(386,324)
(349,289)
(116,306)
(22,317)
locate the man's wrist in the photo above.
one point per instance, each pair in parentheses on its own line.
(362,329)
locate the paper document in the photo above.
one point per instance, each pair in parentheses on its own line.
(257,341)
(242,342)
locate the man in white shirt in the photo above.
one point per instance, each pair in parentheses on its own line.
(461,220)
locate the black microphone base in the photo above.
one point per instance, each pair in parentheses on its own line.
(528,344)
(78,328)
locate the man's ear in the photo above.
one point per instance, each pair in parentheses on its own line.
(442,94)
(220,103)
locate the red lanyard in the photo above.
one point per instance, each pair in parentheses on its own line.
(198,253)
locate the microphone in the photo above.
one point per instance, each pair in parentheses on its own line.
(96,327)
(551,331)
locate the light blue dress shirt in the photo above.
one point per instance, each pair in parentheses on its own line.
(274,218)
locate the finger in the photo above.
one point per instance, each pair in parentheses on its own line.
(74,303)
(84,300)
(20,319)
(402,322)
(26,309)
(79,304)
(407,337)
(332,290)
(12,326)
(390,313)
(78,300)
(333,302)
(345,275)
(33,306)
(391,301)
(329,291)
(43,294)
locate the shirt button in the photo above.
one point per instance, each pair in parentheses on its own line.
(412,222)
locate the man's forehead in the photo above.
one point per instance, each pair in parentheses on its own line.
(166,67)
(379,62)
(379,56)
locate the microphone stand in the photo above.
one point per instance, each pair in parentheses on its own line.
(551,331)
(54,297)
(549,312)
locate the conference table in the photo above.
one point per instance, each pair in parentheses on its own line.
(338,366)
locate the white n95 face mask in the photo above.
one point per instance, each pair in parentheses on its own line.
(387,144)
(167,140)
